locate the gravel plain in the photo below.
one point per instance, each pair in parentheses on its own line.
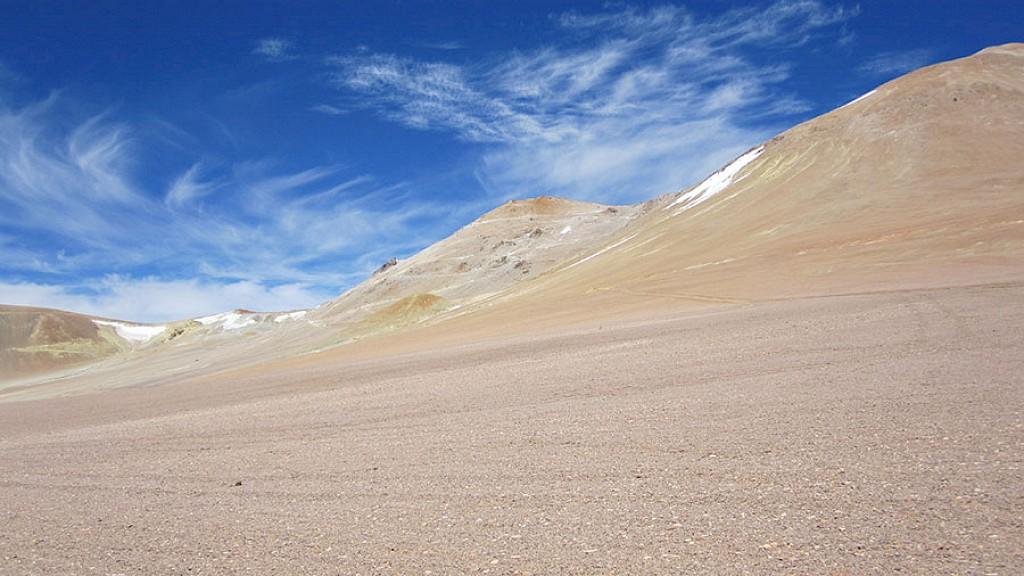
(866,434)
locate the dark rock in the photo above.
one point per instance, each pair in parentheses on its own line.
(385,266)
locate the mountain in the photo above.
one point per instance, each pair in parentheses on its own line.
(36,340)
(916,184)
(516,242)
(808,363)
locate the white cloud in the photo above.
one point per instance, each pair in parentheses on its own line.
(628,105)
(328,109)
(625,105)
(446,45)
(188,187)
(630,164)
(320,228)
(274,49)
(100,152)
(16,257)
(154,300)
(429,95)
(77,185)
(895,63)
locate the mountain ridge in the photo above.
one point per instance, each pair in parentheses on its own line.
(915,183)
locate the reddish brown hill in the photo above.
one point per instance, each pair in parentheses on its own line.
(39,339)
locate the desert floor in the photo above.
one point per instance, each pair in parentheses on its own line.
(859,434)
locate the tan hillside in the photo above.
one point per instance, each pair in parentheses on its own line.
(39,339)
(404,312)
(919,183)
(511,244)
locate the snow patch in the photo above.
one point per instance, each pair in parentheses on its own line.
(858,98)
(716,182)
(207,320)
(290,316)
(602,251)
(133,332)
(227,320)
(706,264)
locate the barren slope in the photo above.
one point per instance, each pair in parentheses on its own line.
(917,184)
(510,244)
(920,183)
(34,340)
(872,434)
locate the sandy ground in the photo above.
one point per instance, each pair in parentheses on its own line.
(843,435)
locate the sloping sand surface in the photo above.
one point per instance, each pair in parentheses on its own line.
(843,435)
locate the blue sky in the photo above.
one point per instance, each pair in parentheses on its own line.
(166,160)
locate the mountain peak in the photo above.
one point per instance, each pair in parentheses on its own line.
(542,206)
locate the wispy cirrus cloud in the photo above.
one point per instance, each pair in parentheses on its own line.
(618,105)
(189,187)
(447,45)
(631,103)
(430,95)
(294,235)
(275,49)
(328,109)
(79,180)
(895,63)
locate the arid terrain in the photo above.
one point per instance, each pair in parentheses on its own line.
(809,363)
(843,435)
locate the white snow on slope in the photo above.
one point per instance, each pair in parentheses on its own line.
(290,316)
(207,320)
(602,251)
(133,332)
(718,181)
(858,98)
(227,320)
